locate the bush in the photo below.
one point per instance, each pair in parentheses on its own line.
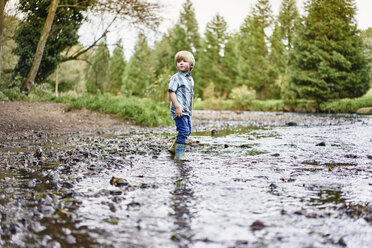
(142,111)
(11,91)
(243,96)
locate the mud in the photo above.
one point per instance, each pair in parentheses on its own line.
(258,181)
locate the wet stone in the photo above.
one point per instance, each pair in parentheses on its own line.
(257,225)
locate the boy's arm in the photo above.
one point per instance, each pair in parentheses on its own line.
(173,98)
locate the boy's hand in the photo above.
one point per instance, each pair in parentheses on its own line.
(179,111)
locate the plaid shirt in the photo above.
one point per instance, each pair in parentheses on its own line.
(182,84)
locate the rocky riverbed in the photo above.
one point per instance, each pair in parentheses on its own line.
(253,179)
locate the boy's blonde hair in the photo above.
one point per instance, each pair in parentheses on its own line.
(187,56)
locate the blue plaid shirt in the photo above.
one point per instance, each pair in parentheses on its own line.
(182,84)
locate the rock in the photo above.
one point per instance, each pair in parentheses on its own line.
(67,185)
(214,132)
(369,156)
(38,153)
(291,124)
(321,144)
(350,156)
(275,155)
(47,210)
(118,181)
(364,111)
(257,225)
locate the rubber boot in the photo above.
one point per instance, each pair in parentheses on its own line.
(180,151)
(172,148)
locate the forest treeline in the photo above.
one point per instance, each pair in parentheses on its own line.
(319,56)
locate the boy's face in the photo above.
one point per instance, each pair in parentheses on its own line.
(184,66)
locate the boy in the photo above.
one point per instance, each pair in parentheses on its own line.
(181,94)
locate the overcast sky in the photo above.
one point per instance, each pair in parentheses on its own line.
(234,12)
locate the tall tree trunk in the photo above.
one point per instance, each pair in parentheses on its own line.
(2,7)
(57,80)
(27,86)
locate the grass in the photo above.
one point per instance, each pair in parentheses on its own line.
(141,111)
(334,106)
(347,105)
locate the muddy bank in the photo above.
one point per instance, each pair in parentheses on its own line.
(268,180)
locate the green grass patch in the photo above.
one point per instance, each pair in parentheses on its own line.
(347,105)
(141,111)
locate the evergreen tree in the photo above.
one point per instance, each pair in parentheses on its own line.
(164,68)
(278,63)
(230,63)
(288,19)
(116,70)
(97,72)
(137,77)
(189,23)
(327,58)
(254,70)
(210,63)
(185,34)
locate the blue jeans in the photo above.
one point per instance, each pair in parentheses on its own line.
(183,125)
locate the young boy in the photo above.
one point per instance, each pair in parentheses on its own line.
(181,86)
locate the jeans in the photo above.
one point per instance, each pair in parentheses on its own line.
(183,125)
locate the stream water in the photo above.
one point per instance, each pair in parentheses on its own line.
(251,184)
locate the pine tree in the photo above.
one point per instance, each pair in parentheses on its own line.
(278,63)
(254,71)
(97,72)
(137,77)
(230,63)
(116,70)
(327,58)
(163,69)
(185,34)
(210,63)
(288,19)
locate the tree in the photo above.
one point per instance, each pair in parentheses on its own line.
(33,33)
(254,71)
(97,73)
(230,63)
(136,11)
(138,73)
(327,60)
(2,14)
(185,34)
(210,69)
(288,19)
(116,70)
(278,63)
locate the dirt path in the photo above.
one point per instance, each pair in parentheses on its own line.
(16,117)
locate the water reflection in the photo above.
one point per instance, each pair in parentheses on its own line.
(183,200)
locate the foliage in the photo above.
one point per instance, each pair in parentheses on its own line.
(71,73)
(137,78)
(97,73)
(8,60)
(243,96)
(210,62)
(63,35)
(327,61)
(347,105)
(255,65)
(116,69)
(10,91)
(288,19)
(142,111)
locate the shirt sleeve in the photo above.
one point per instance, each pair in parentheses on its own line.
(173,84)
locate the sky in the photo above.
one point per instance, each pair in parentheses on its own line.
(234,12)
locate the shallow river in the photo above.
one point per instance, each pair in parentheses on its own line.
(272,183)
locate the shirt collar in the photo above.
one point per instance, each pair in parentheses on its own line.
(184,73)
